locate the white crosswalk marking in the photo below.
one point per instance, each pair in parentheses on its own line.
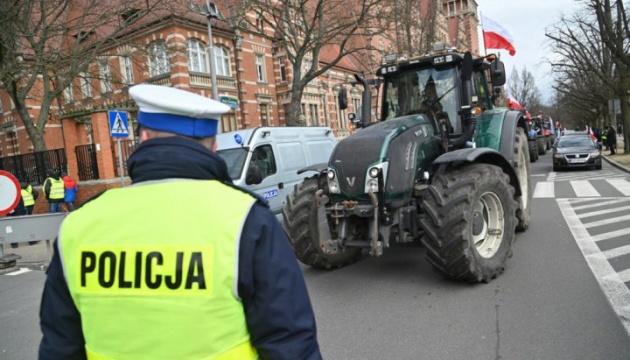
(607,221)
(611,234)
(586,175)
(598,204)
(622,185)
(618,251)
(584,188)
(544,189)
(624,275)
(18,272)
(603,212)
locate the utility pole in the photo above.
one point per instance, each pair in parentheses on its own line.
(210,12)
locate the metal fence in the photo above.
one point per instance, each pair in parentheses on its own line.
(33,168)
(127,147)
(86,162)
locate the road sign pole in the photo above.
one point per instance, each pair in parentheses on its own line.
(120,163)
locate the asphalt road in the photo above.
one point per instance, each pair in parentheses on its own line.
(547,305)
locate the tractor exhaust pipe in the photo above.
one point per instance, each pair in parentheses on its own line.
(366,101)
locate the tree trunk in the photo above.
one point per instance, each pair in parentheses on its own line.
(35,134)
(625,114)
(294,116)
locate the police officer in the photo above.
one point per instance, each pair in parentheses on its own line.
(28,198)
(180,265)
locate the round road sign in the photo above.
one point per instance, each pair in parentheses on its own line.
(9,192)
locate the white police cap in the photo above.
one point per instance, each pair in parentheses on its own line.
(177,111)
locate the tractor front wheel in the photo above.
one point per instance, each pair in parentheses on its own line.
(301,219)
(522,166)
(533,151)
(469,222)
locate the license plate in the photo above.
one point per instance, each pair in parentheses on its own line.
(577,161)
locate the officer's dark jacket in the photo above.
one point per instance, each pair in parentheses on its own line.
(277,307)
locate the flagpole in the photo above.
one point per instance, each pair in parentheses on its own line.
(483,35)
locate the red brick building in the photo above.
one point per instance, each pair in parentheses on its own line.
(253,74)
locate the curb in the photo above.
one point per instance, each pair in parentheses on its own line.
(617,165)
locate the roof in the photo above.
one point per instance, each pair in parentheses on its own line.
(329,53)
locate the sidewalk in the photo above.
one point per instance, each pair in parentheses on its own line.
(619,160)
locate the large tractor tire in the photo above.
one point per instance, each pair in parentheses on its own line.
(469,221)
(301,223)
(523,168)
(533,151)
(542,149)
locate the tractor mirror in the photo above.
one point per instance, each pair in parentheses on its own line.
(498,73)
(352,117)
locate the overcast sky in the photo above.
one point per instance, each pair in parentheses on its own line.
(527,20)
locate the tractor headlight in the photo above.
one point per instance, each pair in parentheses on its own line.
(333,184)
(372,177)
(374,172)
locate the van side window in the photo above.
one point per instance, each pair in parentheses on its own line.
(263,158)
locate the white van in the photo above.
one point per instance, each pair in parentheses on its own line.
(265,160)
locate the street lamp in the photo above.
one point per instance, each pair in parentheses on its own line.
(210,11)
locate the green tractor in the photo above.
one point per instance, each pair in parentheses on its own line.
(444,168)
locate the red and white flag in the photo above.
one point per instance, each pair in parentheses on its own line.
(496,36)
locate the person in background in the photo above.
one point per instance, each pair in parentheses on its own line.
(29,196)
(70,191)
(612,140)
(54,191)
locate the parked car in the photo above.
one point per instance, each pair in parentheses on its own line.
(576,151)
(266,160)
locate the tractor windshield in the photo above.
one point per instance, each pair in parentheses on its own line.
(421,91)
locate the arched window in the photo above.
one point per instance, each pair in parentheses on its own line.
(222,61)
(197,56)
(158,59)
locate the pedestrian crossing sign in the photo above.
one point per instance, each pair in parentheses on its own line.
(118,123)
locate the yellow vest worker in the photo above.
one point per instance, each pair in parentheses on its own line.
(27,196)
(180,265)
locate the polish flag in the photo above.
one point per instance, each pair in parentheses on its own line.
(496,36)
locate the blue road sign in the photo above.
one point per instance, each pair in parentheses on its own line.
(118,123)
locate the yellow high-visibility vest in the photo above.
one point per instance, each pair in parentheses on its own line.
(153,279)
(57,189)
(27,196)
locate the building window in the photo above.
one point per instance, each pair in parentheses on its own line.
(313,114)
(126,70)
(283,69)
(68,96)
(228,122)
(105,75)
(260,68)
(1,107)
(451,8)
(264,114)
(197,56)
(158,59)
(86,85)
(222,61)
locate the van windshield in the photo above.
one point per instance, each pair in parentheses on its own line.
(235,159)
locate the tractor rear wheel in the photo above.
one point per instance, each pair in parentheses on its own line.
(469,221)
(533,151)
(522,166)
(542,149)
(301,223)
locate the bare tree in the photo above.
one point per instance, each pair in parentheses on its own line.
(45,45)
(411,25)
(304,28)
(522,88)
